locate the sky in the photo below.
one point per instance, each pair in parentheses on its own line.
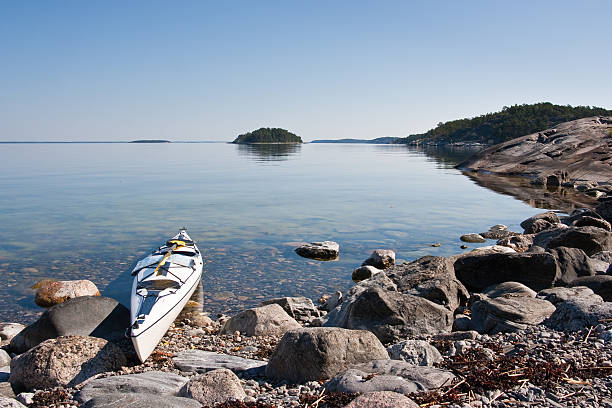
(210,70)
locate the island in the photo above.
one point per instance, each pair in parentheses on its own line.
(268,136)
(150,141)
(378,140)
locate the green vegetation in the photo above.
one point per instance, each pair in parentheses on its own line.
(510,123)
(268,135)
(150,141)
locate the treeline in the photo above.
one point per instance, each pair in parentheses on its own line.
(510,123)
(268,135)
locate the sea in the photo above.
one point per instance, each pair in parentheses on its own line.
(92,210)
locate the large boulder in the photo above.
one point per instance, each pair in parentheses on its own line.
(300,308)
(508,288)
(323,251)
(382,399)
(261,321)
(430,277)
(200,361)
(519,242)
(139,400)
(57,292)
(561,294)
(536,270)
(95,316)
(381,259)
(604,208)
(600,284)
(390,315)
(65,361)
(590,239)
(417,352)
(592,222)
(539,222)
(573,263)
(213,387)
(579,314)
(509,313)
(319,353)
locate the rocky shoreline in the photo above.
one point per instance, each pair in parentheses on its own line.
(526,322)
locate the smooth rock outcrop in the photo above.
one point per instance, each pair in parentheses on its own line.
(213,387)
(261,321)
(95,316)
(600,284)
(472,238)
(509,313)
(140,401)
(324,251)
(57,292)
(508,288)
(299,307)
(364,272)
(573,263)
(381,259)
(561,294)
(200,361)
(579,314)
(382,399)
(65,361)
(150,383)
(417,352)
(319,353)
(590,239)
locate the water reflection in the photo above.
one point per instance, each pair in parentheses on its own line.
(446,157)
(269,152)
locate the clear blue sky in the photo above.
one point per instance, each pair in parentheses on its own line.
(209,70)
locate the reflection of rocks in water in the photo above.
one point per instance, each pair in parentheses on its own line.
(269,152)
(448,156)
(536,196)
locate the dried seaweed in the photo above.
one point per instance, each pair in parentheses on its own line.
(46,399)
(240,404)
(327,400)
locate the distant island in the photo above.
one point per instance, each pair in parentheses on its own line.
(510,123)
(150,141)
(379,140)
(268,136)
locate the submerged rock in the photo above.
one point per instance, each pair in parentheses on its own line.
(325,251)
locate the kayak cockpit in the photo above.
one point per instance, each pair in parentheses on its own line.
(158,284)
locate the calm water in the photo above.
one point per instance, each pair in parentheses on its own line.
(90,211)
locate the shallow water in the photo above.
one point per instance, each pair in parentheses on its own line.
(90,211)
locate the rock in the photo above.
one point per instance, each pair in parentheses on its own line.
(604,208)
(65,361)
(579,314)
(95,316)
(381,259)
(579,213)
(324,251)
(462,323)
(509,313)
(427,378)
(390,315)
(499,249)
(593,222)
(536,270)
(26,398)
(572,262)
(417,352)
(200,320)
(357,381)
(150,383)
(531,226)
(364,272)
(508,288)
(213,387)
(498,231)
(430,277)
(5,358)
(382,399)
(140,401)
(300,308)
(457,335)
(319,353)
(10,330)
(560,294)
(57,292)
(261,321)
(330,302)
(520,243)
(200,361)
(590,239)
(474,238)
(600,284)
(604,256)
(6,402)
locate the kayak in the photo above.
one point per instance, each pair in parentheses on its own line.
(163,283)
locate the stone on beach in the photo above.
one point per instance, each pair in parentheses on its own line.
(261,321)
(326,250)
(534,224)
(417,352)
(572,263)
(601,285)
(579,314)
(382,399)
(319,353)
(509,288)
(120,400)
(213,387)
(509,313)
(300,308)
(57,292)
(381,259)
(520,243)
(5,358)
(590,239)
(561,294)
(10,330)
(6,402)
(65,361)
(472,238)
(200,361)
(604,208)
(364,272)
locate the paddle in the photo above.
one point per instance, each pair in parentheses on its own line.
(176,244)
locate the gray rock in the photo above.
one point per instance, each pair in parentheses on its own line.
(200,361)
(536,270)
(330,302)
(508,288)
(601,261)
(560,294)
(381,259)
(6,402)
(10,330)
(579,314)
(5,358)
(150,383)
(300,308)
(324,251)
(94,316)
(573,263)
(474,238)
(382,399)
(600,284)
(430,277)
(140,401)
(427,377)
(26,398)
(364,272)
(579,213)
(462,323)
(213,387)
(509,313)
(261,321)
(65,361)
(417,352)
(604,208)
(520,243)
(321,352)
(56,292)
(590,239)
(531,225)
(357,381)
(457,335)
(593,222)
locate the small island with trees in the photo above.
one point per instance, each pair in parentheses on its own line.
(268,136)
(150,141)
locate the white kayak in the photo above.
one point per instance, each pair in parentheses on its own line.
(163,283)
